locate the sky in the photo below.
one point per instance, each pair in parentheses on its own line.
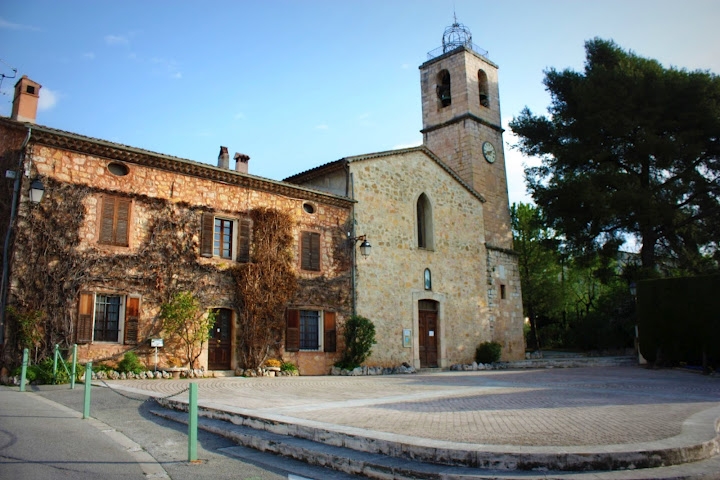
(296,84)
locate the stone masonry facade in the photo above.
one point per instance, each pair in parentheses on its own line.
(157,193)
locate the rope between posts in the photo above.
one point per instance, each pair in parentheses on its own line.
(146,399)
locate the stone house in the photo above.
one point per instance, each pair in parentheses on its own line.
(119,228)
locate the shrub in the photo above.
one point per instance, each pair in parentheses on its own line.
(130,363)
(359,338)
(488,352)
(288,367)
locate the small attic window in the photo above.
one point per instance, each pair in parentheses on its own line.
(118,169)
(30,89)
(309,208)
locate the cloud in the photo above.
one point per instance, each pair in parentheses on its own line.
(167,66)
(117,39)
(89,56)
(48,99)
(321,127)
(16,26)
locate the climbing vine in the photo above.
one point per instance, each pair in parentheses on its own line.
(264,287)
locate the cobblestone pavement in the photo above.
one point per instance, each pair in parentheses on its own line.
(549,407)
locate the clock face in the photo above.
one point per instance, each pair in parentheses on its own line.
(488,152)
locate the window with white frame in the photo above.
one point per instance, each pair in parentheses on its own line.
(311,330)
(226,238)
(108,317)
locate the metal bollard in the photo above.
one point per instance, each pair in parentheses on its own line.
(192,422)
(23,371)
(88,381)
(56,354)
(74,368)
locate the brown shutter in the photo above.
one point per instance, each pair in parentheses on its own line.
(107,220)
(132,318)
(315,251)
(207,233)
(85,319)
(122,222)
(244,242)
(310,251)
(292,333)
(330,332)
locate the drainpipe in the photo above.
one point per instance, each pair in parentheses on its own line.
(351,235)
(6,248)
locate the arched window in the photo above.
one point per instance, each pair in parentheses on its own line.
(424,223)
(484,92)
(443,88)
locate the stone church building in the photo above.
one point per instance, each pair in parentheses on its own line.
(119,228)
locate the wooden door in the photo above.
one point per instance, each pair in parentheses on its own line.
(220,343)
(428,339)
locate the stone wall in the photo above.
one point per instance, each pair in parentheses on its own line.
(390,281)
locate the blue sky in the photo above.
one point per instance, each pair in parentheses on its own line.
(295,84)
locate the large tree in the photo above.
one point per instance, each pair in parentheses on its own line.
(629,148)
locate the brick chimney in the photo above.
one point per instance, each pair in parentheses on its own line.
(224,158)
(242,162)
(25,102)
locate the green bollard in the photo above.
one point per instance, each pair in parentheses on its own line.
(88,381)
(192,423)
(23,371)
(55,359)
(74,368)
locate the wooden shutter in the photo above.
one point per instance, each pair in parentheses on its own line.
(115,221)
(292,332)
(122,222)
(85,318)
(107,220)
(244,241)
(132,320)
(310,251)
(207,234)
(330,329)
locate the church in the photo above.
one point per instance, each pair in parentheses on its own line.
(417,240)
(442,277)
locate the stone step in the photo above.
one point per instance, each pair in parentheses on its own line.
(351,453)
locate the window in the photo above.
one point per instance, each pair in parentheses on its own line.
(484,92)
(313,330)
(310,251)
(118,169)
(225,238)
(424,223)
(222,241)
(114,221)
(104,317)
(443,88)
(502,292)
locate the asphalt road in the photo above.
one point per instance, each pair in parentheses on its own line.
(43,436)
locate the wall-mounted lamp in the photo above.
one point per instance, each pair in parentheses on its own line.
(365,246)
(37,191)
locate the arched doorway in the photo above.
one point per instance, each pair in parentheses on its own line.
(428,332)
(220,342)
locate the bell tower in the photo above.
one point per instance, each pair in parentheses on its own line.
(461,123)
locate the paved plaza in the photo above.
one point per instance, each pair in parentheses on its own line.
(589,408)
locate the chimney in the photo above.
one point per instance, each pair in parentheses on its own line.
(25,102)
(242,162)
(224,158)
